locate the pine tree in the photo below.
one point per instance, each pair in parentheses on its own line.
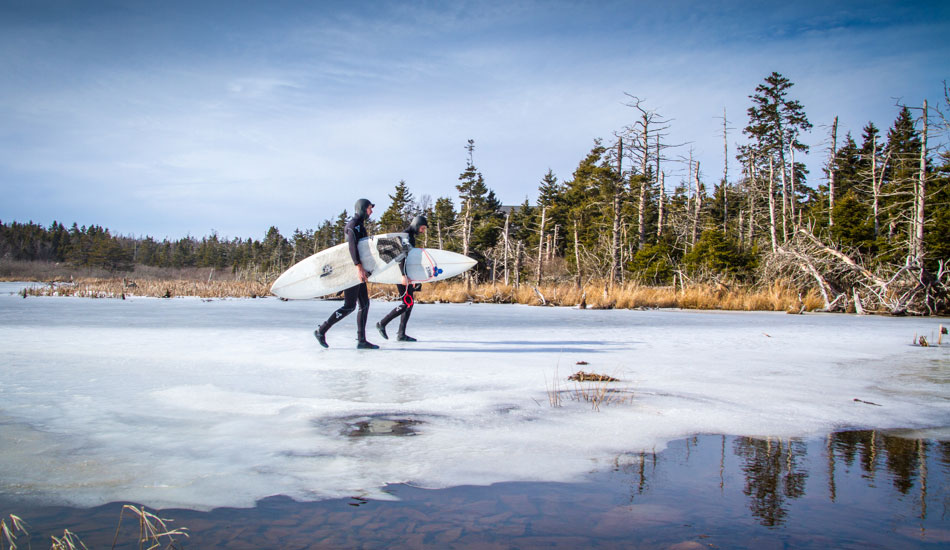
(775,124)
(399,213)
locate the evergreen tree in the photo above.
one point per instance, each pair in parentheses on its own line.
(903,152)
(442,220)
(399,213)
(775,124)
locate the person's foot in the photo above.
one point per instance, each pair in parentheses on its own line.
(363,344)
(404,338)
(382,331)
(320,338)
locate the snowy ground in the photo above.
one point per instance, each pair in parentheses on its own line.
(199,404)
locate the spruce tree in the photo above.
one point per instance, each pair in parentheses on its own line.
(775,124)
(399,213)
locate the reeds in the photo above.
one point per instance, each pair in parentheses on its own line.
(122,288)
(597,295)
(594,389)
(10,532)
(154,532)
(778,296)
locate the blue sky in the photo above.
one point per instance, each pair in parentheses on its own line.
(173,118)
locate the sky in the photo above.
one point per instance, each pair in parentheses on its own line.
(191,118)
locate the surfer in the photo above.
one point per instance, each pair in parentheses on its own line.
(357,294)
(404,309)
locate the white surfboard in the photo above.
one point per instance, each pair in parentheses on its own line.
(332,270)
(425,265)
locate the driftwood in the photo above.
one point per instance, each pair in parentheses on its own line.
(581,376)
(844,282)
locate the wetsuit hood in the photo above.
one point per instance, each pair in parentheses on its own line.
(418,222)
(361,206)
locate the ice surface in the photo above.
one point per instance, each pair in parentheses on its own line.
(199,404)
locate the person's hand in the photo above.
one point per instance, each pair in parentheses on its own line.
(364,276)
(405,280)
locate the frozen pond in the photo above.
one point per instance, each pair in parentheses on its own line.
(200,404)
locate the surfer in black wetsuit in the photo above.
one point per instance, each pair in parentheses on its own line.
(404,309)
(357,294)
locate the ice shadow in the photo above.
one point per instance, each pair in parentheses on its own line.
(526,346)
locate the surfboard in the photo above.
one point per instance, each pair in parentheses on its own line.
(425,265)
(331,270)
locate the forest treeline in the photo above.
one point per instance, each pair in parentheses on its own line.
(871,232)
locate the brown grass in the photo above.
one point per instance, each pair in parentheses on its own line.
(122,288)
(153,532)
(776,297)
(595,295)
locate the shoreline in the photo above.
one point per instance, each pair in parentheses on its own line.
(596,295)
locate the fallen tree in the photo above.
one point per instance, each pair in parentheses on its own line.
(846,283)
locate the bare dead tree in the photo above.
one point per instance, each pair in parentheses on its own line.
(921,192)
(544,212)
(832,169)
(649,126)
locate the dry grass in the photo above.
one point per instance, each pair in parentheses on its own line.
(154,532)
(595,295)
(776,297)
(122,288)
(593,389)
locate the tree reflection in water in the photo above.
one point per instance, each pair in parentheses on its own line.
(775,471)
(773,474)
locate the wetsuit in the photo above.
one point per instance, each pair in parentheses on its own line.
(358,294)
(404,309)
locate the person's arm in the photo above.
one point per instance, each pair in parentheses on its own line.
(355,252)
(402,269)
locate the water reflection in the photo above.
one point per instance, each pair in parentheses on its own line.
(850,467)
(774,473)
(847,490)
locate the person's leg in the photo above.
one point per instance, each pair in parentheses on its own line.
(397,311)
(349,304)
(361,316)
(408,302)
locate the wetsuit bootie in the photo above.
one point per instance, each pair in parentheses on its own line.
(382,330)
(318,334)
(404,338)
(363,344)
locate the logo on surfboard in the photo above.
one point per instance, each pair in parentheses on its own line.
(327,270)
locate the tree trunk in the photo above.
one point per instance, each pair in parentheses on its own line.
(831,174)
(921,194)
(792,194)
(641,214)
(753,188)
(698,206)
(466,232)
(615,231)
(772,228)
(785,208)
(875,189)
(577,257)
(661,206)
(505,264)
(517,264)
(544,211)
(725,175)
